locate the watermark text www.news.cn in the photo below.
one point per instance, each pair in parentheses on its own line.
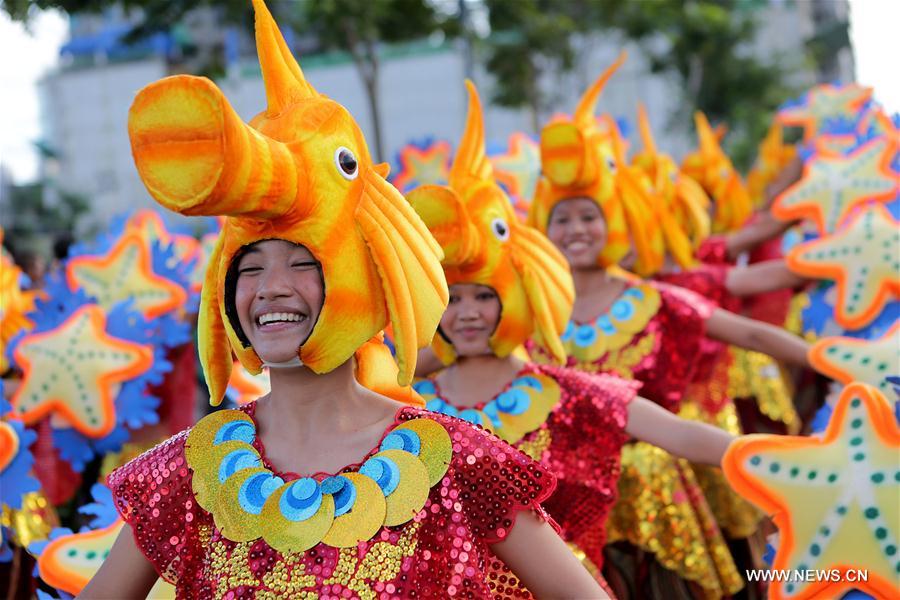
(807,575)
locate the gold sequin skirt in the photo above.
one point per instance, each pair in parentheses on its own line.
(662,510)
(759,376)
(736,517)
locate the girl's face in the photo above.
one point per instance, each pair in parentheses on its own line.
(471,318)
(278,297)
(578,229)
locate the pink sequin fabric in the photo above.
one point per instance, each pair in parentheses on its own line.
(708,281)
(664,355)
(580,443)
(443,552)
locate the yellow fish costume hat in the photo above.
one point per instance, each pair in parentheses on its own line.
(582,157)
(712,168)
(682,206)
(483,243)
(574,165)
(301,172)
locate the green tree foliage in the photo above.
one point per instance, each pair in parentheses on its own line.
(359,27)
(708,44)
(35,210)
(529,39)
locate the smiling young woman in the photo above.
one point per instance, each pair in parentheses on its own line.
(324,485)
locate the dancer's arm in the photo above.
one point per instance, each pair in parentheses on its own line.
(758,336)
(697,442)
(762,277)
(126,572)
(543,562)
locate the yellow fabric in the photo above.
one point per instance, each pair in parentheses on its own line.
(712,168)
(661,510)
(15,303)
(483,243)
(279,178)
(774,155)
(683,205)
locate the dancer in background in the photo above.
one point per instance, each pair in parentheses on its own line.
(594,210)
(508,284)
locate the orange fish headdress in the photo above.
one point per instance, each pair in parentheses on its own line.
(301,172)
(774,155)
(712,168)
(483,243)
(15,303)
(684,216)
(582,157)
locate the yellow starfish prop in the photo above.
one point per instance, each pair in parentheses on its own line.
(299,171)
(74,370)
(126,272)
(519,169)
(825,102)
(849,359)
(834,498)
(832,186)
(150,227)
(863,258)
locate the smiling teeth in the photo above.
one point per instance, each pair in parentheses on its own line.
(272,317)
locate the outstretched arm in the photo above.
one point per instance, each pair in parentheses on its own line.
(758,336)
(762,277)
(543,562)
(697,442)
(126,572)
(755,233)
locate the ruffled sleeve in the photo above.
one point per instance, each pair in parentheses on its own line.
(153,495)
(495,481)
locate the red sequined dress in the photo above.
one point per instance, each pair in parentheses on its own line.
(574,425)
(441,551)
(762,390)
(709,399)
(654,333)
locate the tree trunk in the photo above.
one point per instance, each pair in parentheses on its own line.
(371,84)
(365,56)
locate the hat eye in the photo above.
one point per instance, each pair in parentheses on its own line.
(346,163)
(500,229)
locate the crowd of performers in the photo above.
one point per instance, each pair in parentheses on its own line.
(563,367)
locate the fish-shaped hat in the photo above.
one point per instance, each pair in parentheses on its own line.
(583,157)
(712,168)
(300,171)
(685,206)
(483,243)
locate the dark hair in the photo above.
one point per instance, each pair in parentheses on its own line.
(231,313)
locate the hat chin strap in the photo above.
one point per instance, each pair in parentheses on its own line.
(288,364)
